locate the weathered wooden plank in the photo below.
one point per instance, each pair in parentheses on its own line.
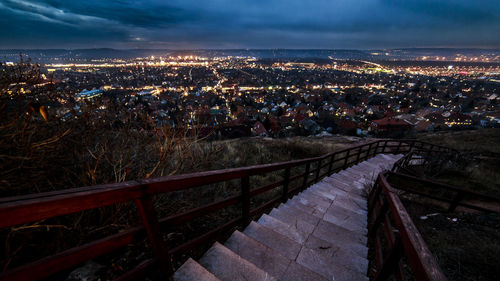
(424,265)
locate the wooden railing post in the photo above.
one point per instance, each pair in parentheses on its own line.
(306,175)
(456,200)
(359,154)
(346,159)
(318,169)
(368,152)
(391,238)
(375,152)
(391,261)
(384,147)
(398,149)
(380,216)
(286,180)
(150,221)
(412,144)
(330,166)
(374,194)
(245,199)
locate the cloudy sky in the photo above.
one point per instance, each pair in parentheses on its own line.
(187,24)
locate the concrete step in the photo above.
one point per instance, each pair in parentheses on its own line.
(345,184)
(320,206)
(341,236)
(299,224)
(367,167)
(390,157)
(347,215)
(229,266)
(366,176)
(332,230)
(335,254)
(193,271)
(272,239)
(259,254)
(269,259)
(345,221)
(344,199)
(304,208)
(317,199)
(327,266)
(321,192)
(354,172)
(292,211)
(372,174)
(355,206)
(297,272)
(330,187)
(349,178)
(291,231)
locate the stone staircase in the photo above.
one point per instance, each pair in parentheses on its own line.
(319,234)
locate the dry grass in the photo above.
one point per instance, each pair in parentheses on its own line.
(480,141)
(466,245)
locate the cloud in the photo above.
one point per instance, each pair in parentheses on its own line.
(256,24)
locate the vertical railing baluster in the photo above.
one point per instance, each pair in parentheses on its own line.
(375,152)
(412,144)
(391,261)
(399,147)
(306,175)
(368,152)
(391,237)
(346,158)
(359,154)
(245,199)
(379,217)
(151,224)
(286,180)
(456,201)
(318,169)
(330,166)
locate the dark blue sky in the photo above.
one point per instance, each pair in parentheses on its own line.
(187,24)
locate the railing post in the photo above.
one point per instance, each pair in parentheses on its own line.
(150,221)
(376,149)
(412,144)
(380,216)
(332,158)
(399,147)
(456,200)
(245,199)
(384,147)
(359,154)
(286,180)
(391,262)
(427,155)
(368,152)
(318,169)
(372,198)
(346,158)
(391,237)
(306,175)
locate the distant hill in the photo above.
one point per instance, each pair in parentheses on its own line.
(49,55)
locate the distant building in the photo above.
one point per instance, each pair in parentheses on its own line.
(259,129)
(390,124)
(458,120)
(90,94)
